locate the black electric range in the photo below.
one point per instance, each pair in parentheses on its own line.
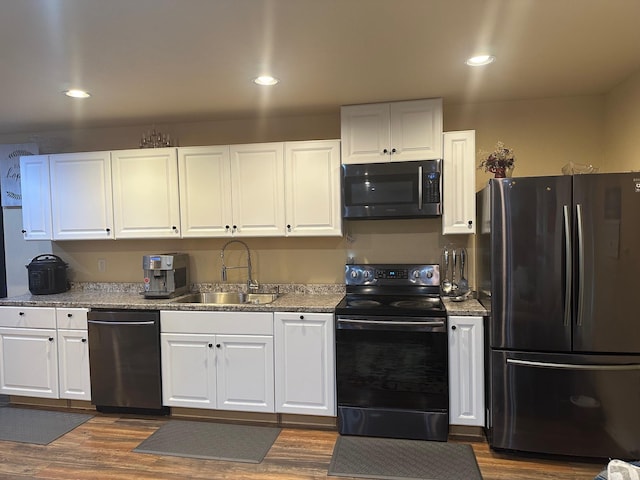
(391,353)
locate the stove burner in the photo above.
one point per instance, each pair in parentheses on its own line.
(417,303)
(364,303)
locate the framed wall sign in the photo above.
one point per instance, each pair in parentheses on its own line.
(11,195)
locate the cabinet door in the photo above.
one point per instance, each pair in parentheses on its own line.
(28,362)
(459,182)
(188,370)
(257,187)
(205,191)
(73,364)
(365,131)
(466,371)
(304,362)
(81,200)
(416,130)
(313,188)
(145,193)
(36,197)
(245,372)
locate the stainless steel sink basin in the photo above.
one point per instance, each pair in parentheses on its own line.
(229,298)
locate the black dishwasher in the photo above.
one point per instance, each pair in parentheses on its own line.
(124,361)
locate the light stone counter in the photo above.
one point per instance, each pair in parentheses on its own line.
(293,298)
(469,307)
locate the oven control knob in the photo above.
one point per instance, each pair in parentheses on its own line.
(429,273)
(366,274)
(354,274)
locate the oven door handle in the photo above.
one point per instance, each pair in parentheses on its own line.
(435,325)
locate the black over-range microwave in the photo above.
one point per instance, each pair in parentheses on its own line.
(391,190)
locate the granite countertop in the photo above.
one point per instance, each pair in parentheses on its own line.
(322,298)
(293,298)
(470,307)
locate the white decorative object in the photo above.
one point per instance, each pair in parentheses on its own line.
(619,470)
(10,172)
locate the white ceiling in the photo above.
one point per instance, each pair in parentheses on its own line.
(175,60)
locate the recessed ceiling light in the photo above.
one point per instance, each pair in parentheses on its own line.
(480,60)
(75,93)
(266,80)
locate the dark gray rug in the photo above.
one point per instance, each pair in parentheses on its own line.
(37,426)
(214,441)
(395,459)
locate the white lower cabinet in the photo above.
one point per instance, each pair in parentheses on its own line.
(217,360)
(188,370)
(245,372)
(28,352)
(466,370)
(73,353)
(304,363)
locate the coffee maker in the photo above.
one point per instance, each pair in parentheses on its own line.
(165,275)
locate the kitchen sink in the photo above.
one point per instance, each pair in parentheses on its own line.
(228,298)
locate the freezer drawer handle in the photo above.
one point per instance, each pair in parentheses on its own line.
(99,322)
(570,366)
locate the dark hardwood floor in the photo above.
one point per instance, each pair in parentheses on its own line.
(102,449)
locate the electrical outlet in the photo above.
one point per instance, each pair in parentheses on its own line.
(102,265)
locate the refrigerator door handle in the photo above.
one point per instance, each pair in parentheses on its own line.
(571,366)
(567,266)
(580,226)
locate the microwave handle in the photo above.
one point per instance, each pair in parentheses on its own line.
(420,187)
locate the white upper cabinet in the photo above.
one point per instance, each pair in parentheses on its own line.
(205,191)
(81,200)
(145,193)
(459,182)
(392,132)
(313,205)
(257,189)
(36,197)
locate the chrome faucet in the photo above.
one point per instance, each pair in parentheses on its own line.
(251,283)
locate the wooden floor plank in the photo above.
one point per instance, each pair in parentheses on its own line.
(102,448)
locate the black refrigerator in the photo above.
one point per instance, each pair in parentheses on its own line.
(558,268)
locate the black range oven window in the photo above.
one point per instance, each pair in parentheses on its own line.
(396,370)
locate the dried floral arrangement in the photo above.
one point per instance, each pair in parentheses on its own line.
(502,158)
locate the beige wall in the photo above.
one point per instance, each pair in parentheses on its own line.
(545,134)
(622,121)
(275,260)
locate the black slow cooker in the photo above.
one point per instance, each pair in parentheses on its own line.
(47,274)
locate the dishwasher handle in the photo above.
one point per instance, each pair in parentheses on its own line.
(102,322)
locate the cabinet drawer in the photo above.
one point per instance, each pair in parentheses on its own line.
(28,317)
(72,318)
(222,323)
